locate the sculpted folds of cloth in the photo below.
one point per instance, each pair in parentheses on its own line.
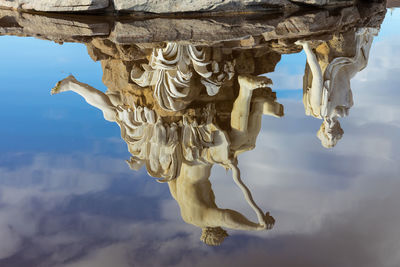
(170,72)
(329,95)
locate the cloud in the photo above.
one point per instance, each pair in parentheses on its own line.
(35,184)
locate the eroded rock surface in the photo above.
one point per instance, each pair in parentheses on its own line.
(166,6)
(275,30)
(174,6)
(324,2)
(393,3)
(56,5)
(58,29)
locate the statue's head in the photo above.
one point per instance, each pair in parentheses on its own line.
(330,133)
(213,236)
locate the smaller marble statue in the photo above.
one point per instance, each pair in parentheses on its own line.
(327,93)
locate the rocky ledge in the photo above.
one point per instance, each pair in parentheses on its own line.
(244,31)
(164,6)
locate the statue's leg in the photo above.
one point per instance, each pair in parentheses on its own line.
(260,106)
(92,96)
(248,138)
(241,106)
(246,123)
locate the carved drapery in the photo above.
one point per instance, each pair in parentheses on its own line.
(348,66)
(330,94)
(163,146)
(330,97)
(171,71)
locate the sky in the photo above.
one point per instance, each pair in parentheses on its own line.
(67,198)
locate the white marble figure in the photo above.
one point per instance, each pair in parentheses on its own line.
(183,154)
(171,69)
(330,97)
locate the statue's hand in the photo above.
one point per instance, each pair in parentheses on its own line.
(269,221)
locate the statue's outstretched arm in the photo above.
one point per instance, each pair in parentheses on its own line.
(263,219)
(92,96)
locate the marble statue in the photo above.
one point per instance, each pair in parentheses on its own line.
(327,93)
(182,153)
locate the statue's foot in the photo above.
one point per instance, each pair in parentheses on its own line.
(63,85)
(274,109)
(250,83)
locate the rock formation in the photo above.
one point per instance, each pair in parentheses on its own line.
(166,6)
(247,30)
(392,3)
(173,6)
(56,5)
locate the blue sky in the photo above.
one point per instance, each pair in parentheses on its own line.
(26,104)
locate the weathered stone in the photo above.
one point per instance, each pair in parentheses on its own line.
(393,3)
(193,30)
(251,31)
(178,6)
(100,49)
(325,2)
(59,29)
(244,62)
(167,6)
(56,5)
(314,23)
(265,61)
(248,42)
